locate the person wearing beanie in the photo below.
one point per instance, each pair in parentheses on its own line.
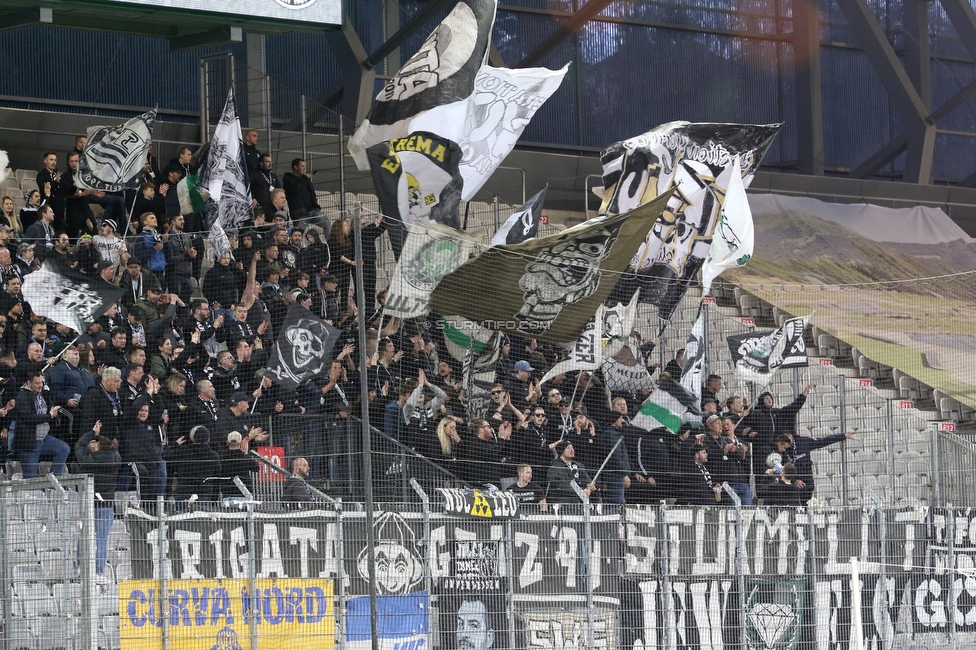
(562,472)
(110,247)
(194,466)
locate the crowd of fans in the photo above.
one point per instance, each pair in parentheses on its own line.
(165,391)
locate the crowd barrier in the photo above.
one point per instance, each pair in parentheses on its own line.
(461,568)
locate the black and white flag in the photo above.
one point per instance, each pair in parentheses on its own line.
(442,72)
(548,288)
(523,225)
(694,363)
(758,355)
(416,176)
(224,175)
(65,296)
(114,155)
(304,348)
(696,160)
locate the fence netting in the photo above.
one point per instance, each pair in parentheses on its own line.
(456,568)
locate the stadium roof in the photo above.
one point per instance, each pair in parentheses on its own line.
(185,23)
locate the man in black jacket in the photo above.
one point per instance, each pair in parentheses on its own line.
(563,471)
(296,493)
(263,182)
(299,191)
(102,403)
(764,422)
(32,434)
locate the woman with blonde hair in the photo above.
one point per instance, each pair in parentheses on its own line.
(10,216)
(448,437)
(343,251)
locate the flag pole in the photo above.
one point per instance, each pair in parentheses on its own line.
(606,460)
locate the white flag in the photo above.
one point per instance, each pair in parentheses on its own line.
(694,363)
(113,157)
(735,234)
(587,352)
(225,175)
(432,250)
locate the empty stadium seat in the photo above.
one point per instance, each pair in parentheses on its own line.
(68,598)
(36,600)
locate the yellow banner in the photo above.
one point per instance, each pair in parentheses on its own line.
(216,614)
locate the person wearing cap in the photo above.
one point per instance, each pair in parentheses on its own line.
(86,255)
(237,417)
(137,328)
(764,421)
(524,390)
(25,259)
(235,461)
(7,239)
(106,271)
(110,247)
(331,310)
(699,488)
(136,281)
(563,470)
(194,466)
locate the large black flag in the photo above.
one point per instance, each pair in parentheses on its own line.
(68,297)
(304,348)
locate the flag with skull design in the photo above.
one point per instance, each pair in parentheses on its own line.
(304,349)
(547,288)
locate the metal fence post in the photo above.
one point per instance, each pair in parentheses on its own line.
(587,552)
(740,552)
(340,575)
(670,640)
(162,552)
(5,564)
(936,465)
(425,501)
(891,450)
(304,109)
(842,389)
(494,212)
(342,169)
(267,113)
(86,493)
(204,103)
(252,577)
(951,547)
